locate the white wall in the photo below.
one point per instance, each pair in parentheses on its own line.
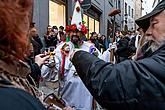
(130,20)
(147,6)
(155,3)
(138,10)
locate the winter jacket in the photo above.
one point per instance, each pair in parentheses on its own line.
(36,46)
(129,85)
(13,98)
(122,47)
(35,72)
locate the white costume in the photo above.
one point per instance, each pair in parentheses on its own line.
(72,90)
(50,76)
(106,54)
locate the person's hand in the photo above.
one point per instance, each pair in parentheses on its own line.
(113,46)
(68,108)
(41,59)
(93,51)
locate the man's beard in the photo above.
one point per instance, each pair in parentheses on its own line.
(156,45)
(75,40)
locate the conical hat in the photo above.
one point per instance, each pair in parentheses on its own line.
(77,21)
(77,16)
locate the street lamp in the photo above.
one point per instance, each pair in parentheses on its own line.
(113,13)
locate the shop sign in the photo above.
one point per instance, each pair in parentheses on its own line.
(86,4)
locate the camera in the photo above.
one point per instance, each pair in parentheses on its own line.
(51,61)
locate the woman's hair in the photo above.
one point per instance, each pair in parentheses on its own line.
(14,25)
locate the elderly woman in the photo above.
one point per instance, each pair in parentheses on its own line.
(15,91)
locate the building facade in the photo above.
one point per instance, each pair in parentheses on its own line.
(138,10)
(58,12)
(144,8)
(128,15)
(155,3)
(147,6)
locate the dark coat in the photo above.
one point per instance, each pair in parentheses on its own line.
(38,40)
(37,45)
(12,98)
(123,47)
(132,46)
(35,72)
(129,85)
(51,40)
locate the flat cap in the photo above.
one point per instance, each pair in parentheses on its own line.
(144,22)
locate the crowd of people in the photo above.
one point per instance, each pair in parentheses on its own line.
(46,72)
(126,42)
(68,71)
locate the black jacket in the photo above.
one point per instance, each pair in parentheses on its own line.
(51,40)
(37,45)
(16,99)
(35,72)
(12,98)
(123,47)
(130,85)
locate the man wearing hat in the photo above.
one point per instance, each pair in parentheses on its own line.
(129,85)
(72,90)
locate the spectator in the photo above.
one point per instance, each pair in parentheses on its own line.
(36,41)
(105,42)
(62,37)
(129,85)
(84,38)
(117,37)
(94,39)
(61,29)
(51,36)
(15,90)
(123,51)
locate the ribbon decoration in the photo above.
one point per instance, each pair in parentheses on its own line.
(65,52)
(62,66)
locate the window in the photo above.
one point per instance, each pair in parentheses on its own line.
(129,11)
(85,18)
(111,1)
(97,26)
(125,8)
(116,3)
(56,10)
(119,7)
(132,13)
(92,24)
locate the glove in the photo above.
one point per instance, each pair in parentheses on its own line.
(93,51)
